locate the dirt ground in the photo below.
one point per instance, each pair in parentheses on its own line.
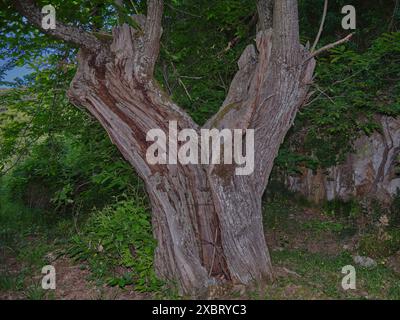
(71,283)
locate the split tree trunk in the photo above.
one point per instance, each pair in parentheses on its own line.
(207,220)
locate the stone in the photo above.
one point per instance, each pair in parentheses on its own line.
(371,170)
(365,262)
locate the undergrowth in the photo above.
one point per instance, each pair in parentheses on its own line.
(118,245)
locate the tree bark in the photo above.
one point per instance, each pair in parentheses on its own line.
(207,220)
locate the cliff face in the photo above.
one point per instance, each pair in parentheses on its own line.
(371,171)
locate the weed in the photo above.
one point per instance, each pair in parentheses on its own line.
(119,246)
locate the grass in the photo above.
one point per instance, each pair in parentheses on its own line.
(304,234)
(26,237)
(319,276)
(9,282)
(323,226)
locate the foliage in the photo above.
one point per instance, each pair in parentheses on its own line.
(352,88)
(196,62)
(119,236)
(66,175)
(56,151)
(350,209)
(19,222)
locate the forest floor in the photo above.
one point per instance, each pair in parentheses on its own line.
(308,247)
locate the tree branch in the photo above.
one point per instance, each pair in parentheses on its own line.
(286,36)
(321,27)
(76,36)
(153,32)
(330,46)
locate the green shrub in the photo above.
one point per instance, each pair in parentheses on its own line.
(66,175)
(118,244)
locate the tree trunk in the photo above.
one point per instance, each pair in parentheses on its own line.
(207,220)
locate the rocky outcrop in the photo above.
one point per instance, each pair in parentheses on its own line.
(372,170)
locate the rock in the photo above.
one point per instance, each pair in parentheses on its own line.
(350,246)
(291,272)
(365,262)
(370,169)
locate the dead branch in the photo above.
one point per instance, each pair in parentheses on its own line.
(321,27)
(330,46)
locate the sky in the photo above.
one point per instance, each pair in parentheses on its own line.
(17,72)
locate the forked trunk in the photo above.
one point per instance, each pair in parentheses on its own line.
(207,220)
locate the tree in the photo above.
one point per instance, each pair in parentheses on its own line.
(206,219)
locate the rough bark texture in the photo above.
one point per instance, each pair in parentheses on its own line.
(265,12)
(207,220)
